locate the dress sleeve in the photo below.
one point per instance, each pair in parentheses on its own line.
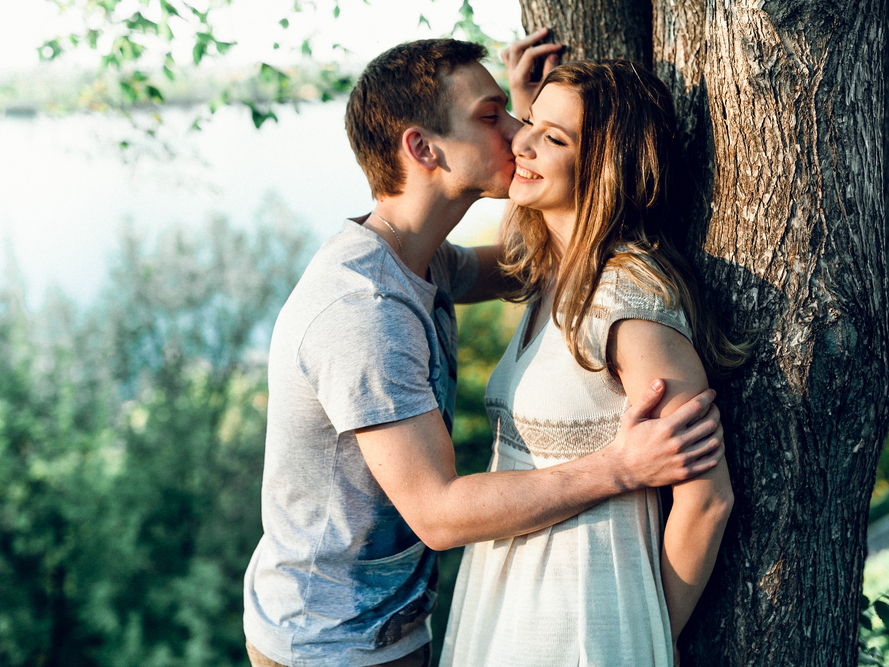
(367,359)
(619,298)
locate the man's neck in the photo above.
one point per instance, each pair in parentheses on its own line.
(416,224)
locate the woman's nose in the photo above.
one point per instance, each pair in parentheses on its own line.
(520,144)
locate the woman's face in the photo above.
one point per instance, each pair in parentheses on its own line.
(545,149)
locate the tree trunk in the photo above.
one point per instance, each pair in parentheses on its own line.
(782,112)
(594,28)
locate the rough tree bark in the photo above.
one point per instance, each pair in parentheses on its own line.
(594,28)
(782,109)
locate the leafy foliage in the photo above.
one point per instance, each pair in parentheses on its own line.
(137,42)
(134,40)
(873,640)
(131,444)
(130,455)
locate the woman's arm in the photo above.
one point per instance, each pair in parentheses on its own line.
(640,350)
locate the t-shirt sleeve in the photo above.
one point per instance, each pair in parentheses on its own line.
(619,298)
(367,358)
(459,266)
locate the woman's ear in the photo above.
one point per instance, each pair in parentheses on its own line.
(418,149)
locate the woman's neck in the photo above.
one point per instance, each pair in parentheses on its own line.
(560,228)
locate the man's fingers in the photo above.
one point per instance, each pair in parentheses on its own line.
(650,398)
(708,461)
(692,411)
(701,444)
(703,427)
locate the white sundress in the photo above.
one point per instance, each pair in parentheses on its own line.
(587,591)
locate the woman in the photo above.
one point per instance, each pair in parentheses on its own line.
(611,307)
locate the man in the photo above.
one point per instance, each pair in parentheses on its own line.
(359,484)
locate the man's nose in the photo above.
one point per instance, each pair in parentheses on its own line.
(513,125)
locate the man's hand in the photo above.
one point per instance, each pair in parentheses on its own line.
(519,60)
(669,450)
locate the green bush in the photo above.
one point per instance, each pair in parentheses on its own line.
(131,442)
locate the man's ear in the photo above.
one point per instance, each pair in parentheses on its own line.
(419,149)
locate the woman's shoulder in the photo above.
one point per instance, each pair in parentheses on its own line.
(633,287)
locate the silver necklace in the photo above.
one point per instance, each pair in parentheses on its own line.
(397,238)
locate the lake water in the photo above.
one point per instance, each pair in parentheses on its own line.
(67,188)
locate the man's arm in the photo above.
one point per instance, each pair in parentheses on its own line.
(491,283)
(413,461)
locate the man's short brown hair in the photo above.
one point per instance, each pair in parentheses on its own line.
(403,87)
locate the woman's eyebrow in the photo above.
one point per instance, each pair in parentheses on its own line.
(549,123)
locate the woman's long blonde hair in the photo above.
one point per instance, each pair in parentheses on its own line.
(622,171)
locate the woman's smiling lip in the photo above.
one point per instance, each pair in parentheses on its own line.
(527,174)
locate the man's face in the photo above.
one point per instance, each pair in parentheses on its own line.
(477,155)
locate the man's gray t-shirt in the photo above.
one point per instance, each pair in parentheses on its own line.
(338,576)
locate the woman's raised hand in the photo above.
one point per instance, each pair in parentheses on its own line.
(519,59)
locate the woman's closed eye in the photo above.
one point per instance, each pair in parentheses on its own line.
(553,140)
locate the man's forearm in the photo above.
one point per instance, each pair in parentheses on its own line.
(491,282)
(413,461)
(489,506)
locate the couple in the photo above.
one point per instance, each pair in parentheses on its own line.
(568,565)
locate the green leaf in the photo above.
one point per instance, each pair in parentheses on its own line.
(127,49)
(168,8)
(154,94)
(202,16)
(110,60)
(863,602)
(284,23)
(129,92)
(202,41)
(139,23)
(139,76)
(267,72)
(865,622)
(50,50)
(259,117)
(307,48)
(336,10)
(424,21)
(221,100)
(223,47)
(882,609)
